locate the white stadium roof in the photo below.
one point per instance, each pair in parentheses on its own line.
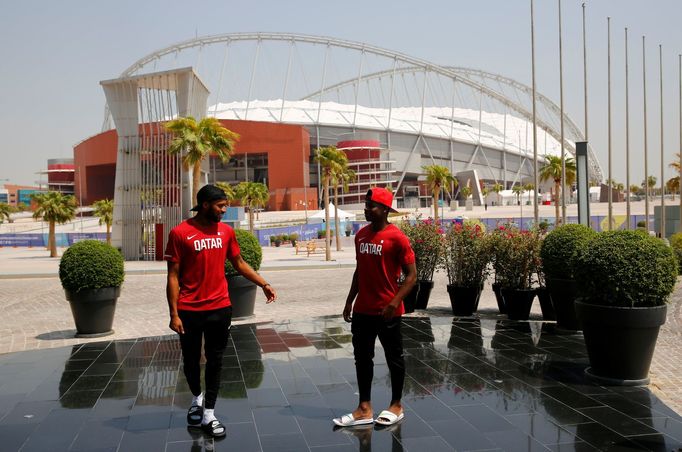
(458,124)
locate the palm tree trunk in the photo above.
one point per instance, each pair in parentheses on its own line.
(108,234)
(251,219)
(327,235)
(336,218)
(436,193)
(49,238)
(557,187)
(52,240)
(196,177)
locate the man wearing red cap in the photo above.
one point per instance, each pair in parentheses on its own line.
(198,301)
(383,252)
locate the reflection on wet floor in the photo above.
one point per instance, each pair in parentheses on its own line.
(472,384)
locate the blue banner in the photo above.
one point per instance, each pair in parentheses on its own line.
(63,239)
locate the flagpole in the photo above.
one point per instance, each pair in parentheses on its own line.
(585,70)
(660,76)
(536,212)
(610,179)
(627,134)
(561,107)
(646,151)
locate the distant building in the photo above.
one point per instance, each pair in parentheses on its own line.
(60,175)
(20,194)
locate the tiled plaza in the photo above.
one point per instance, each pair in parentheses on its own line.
(472,384)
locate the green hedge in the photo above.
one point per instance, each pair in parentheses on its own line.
(627,269)
(676,244)
(250,249)
(91,264)
(560,246)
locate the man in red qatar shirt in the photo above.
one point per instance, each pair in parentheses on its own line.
(382,253)
(198,300)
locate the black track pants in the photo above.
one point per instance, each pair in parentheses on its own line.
(214,327)
(365,329)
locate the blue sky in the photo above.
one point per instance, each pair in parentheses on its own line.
(55,53)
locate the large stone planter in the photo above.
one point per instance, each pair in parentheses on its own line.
(93,310)
(518,302)
(620,341)
(242,296)
(563,293)
(410,301)
(546,305)
(423,295)
(464,299)
(498,297)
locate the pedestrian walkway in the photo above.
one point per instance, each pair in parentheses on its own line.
(471,384)
(528,370)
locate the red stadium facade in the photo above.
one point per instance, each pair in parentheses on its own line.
(276,154)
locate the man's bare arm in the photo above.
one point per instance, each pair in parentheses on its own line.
(172,295)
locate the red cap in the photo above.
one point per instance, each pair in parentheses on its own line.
(381,196)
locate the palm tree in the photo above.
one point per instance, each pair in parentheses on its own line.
(650,183)
(340,178)
(529,187)
(438,178)
(465,191)
(676,163)
(197,140)
(104,209)
(228,190)
(331,161)
(55,208)
(497,188)
(552,170)
(518,190)
(5,211)
(634,189)
(673,185)
(252,195)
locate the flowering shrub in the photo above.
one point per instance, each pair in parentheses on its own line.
(466,254)
(516,257)
(425,239)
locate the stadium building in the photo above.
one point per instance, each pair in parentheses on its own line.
(288,94)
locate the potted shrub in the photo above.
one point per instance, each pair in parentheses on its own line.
(676,244)
(465,258)
(496,244)
(625,280)
(242,291)
(277,240)
(544,297)
(293,238)
(91,273)
(425,239)
(518,261)
(557,252)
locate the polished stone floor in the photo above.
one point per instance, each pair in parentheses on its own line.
(472,384)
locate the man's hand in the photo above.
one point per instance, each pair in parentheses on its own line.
(270,293)
(176,325)
(388,312)
(347,309)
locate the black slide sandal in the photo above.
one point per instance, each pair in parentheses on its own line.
(214,428)
(195,415)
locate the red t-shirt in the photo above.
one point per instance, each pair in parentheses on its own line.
(380,257)
(201,252)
